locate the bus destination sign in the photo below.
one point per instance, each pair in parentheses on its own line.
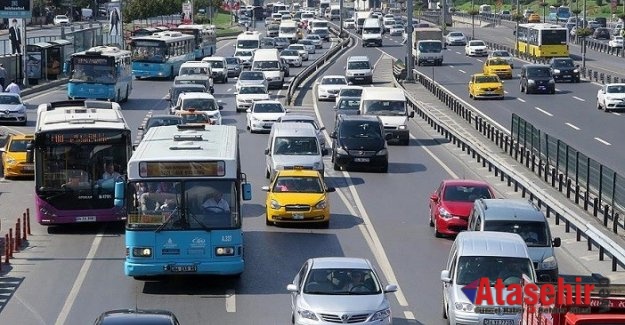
(182,169)
(91,60)
(86,137)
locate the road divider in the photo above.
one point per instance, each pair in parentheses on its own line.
(16,238)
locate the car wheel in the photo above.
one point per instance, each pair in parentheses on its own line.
(444,311)
(598,105)
(437,234)
(267,174)
(384,169)
(336,166)
(267,222)
(292,318)
(470,95)
(430,217)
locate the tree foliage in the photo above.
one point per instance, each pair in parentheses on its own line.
(583,32)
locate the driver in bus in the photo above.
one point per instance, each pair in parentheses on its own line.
(215,203)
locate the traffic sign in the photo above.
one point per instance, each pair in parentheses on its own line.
(15,9)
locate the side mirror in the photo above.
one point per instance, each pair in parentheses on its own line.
(445,276)
(434,197)
(246,189)
(25,103)
(249,110)
(265,188)
(324,152)
(267,151)
(390,288)
(333,135)
(322,128)
(120,188)
(30,157)
(141,128)
(287,110)
(2,149)
(556,242)
(236,93)
(411,115)
(291,288)
(331,189)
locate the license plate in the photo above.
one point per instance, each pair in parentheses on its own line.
(86,219)
(183,268)
(28,168)
(361,159)
(498,322)
(298,216)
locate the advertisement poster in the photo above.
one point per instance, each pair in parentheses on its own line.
(187,13)
(33,65)
(115,19)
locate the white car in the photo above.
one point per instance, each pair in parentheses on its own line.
(328,87)
(339,290)
(263,114)
(292,57)
(219,67)
(60,20)
(294,118)
(456,38)
(251,78)
(611,97)
(476,48)
(248,94)
(616,41)
(301,49)
(504,55)
(245,56)
(349,91)
(316,39)
(200,102)
(396,30)
(349,24)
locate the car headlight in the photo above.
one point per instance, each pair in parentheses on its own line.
(531,82)
(321,205)
(444,213)
(381,314)
(575,71)
(275,205)
(551,81)
(141,252)
(253,118)
(304,313)
(224,251)
(402,127)
(10,161)
(549,263)
(21,110)
(382,152)
(556,71)
(464,306)
(317,165)
(341,151)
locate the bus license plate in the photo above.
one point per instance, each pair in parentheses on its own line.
(498,322)
(85,219)
(183,268)
(361,159)
(298,216)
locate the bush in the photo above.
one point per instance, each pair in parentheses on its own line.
(599,2)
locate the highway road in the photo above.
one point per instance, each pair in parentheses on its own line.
(69,275)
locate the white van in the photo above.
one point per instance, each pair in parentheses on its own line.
(372,32)
(268,61)
(289,30)
(485,10)
(476,255)
(195,67)
(389,104)
(249,40)
(293,144)
(334,13)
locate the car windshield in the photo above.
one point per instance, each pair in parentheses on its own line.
(398,26)
(163,121)
(538,72)
(199,104)
(358,65)
(192,71)
(619,89)
(243,53)
(535,233)
(349,104)
(508,269)
(250,75)
(298,184)
(268,108)
(486,79)
(9,100)
(216,64)
(456,34)
(563,63)
(313,37)
(384,107)
(252,90)
(232,61)
(502,54)
(333,81)
(461,193)
(430,47)
(266,65)
(281,40)
(18,145)
(195,118)
(289,53)
(299,47)
(476,43)
(351,92)
(361,129)
(498,62)
(296,146)
(305,42)
(342,282)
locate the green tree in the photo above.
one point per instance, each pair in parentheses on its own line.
(599,3)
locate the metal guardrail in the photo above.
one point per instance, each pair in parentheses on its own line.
(596,233)
(316,65)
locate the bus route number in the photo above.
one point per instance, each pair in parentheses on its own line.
(227,238)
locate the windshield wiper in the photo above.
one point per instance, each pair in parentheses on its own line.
(169,219)
(194,217)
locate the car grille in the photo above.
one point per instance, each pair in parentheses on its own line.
(390,128)
(344,319)
(489,89)
(296,207)
(361,153)
(333,91)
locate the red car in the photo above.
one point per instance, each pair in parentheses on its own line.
(452,202)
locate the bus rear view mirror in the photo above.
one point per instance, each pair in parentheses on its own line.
(119,194)
(29,153)
(246,188)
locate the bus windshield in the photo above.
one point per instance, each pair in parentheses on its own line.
(247,44)
(96,70)
(186,205)
(146,51)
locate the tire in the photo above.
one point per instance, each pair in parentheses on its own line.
(118,98)
(437,234)
(25,123)
(267,174)
(127,94)
(444,311)
(267,222)
(405,142)
(336,166)
(430,217)
(384,169)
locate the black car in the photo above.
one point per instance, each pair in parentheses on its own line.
(160,120)
(138,317)
(537,78)
(359,141)
(564,69)
(601,33)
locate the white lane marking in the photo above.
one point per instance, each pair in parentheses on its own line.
(366,228)
(603,141)
(462,71)
(572,126)
(41,94)
(438,160)
(82,274)
(521,100)
(480,60)
(231,301)
(225,45)
(505,91)
(617,114)
(409,315)
(580,99)
(12,130)
(458,52)
(543,111)
(451,66)
(229,90)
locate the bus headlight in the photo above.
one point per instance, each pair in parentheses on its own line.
(141,252)
(402,127)
(224,251)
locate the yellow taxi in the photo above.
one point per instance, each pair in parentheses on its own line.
(191,116)
(298,195)
(485,86)
(533,18)
(14,156)
(499,67)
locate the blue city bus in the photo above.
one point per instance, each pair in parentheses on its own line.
(161,54)
(205,39)
(183,198)
(102,72)
(147,31)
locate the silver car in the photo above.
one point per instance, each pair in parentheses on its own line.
(330,290)
(308,44)
(12,109)
(294,118)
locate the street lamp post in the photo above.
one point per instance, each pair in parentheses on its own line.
(472,20)
(516,28)
(584,39)
(409,28)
